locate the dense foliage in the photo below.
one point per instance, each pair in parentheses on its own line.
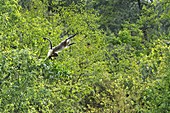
(119,64)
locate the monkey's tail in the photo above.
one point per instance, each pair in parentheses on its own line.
(49,41)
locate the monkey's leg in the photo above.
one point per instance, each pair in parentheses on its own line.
(50,57)
(54,55)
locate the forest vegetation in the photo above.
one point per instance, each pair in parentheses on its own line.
(119,64)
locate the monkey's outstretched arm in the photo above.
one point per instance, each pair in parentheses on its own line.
(71,44)
(71,36)
(49,41)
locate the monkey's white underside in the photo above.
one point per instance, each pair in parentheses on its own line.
(50,52)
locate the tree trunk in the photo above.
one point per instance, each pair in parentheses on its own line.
(50,6)
(139,5)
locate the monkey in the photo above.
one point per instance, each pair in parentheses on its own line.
(53,52)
